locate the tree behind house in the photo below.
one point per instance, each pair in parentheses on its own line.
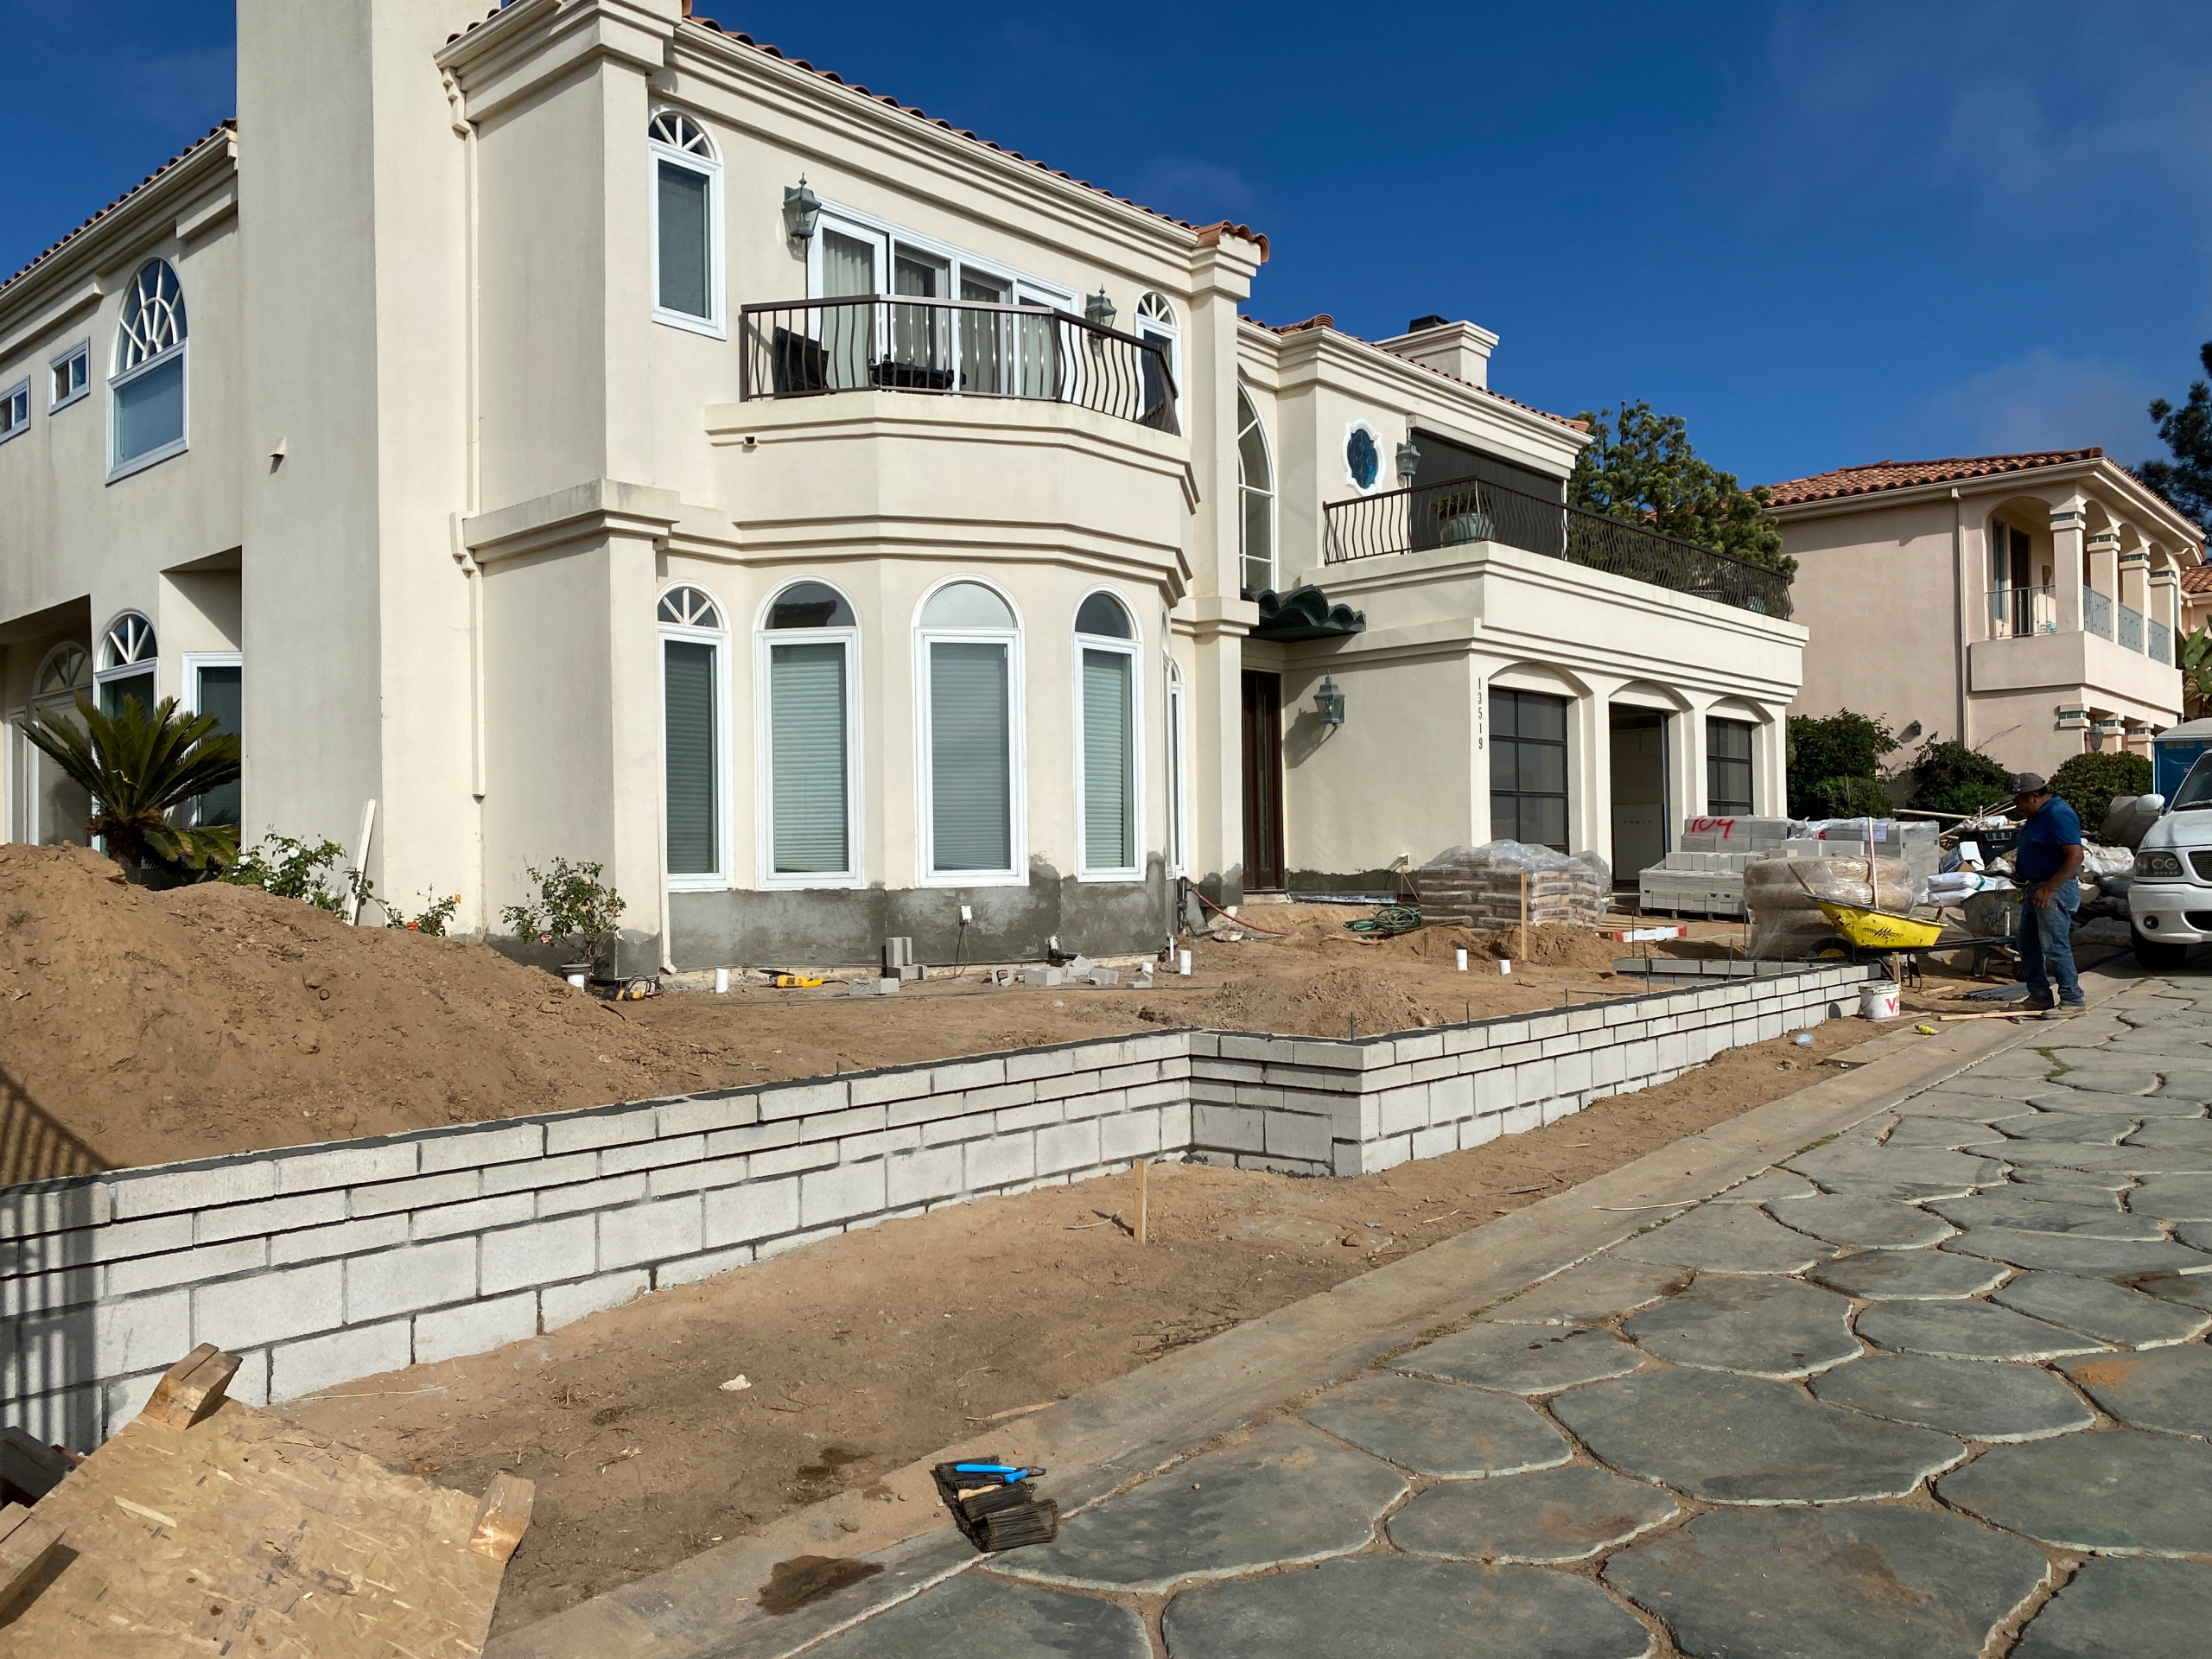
(1641,470)
(1834,765)
(2186,481)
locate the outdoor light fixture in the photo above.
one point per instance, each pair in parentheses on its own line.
(1408,463)
(802,207)
(1329,701)
(1098,309)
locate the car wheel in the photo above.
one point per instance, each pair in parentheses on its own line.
(2157,955)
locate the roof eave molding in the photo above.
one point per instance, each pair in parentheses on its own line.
(2101,469)
(1310,348)
(68,274)
(534,42)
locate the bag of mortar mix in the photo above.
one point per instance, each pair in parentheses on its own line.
(1781,897)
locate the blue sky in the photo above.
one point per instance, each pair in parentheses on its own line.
(1823,233)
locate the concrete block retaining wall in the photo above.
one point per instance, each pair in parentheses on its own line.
(320,1264)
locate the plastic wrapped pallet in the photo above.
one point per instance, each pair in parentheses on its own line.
(1480,886)
(1914,840)
(1783,896)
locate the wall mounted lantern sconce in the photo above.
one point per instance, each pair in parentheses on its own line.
(1408,464)
(802,207)
(1329,701)
(1098,309)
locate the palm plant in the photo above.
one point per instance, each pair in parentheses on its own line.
(2194,658)
(143,772)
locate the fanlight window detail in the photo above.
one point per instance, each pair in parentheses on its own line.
(1155,308)
(153,317)
(131,640)
(688,607)
(67,669)
(679,132)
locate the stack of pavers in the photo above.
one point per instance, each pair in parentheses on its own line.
(1704,876)
(1479,889)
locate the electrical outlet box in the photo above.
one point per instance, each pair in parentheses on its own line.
(967,914)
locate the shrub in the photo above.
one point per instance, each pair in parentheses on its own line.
(2090,783)
(1834,765)
(1845,797)
(574,908)
(435,913)
(1951,777)
(292,868)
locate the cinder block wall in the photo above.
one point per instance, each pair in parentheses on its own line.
(326,1263)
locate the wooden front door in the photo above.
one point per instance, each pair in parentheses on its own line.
(1263,858)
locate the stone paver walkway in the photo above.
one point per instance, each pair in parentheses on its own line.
(1879,1400)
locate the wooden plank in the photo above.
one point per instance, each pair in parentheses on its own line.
(29,1469)
(504,1518)
(25,1541)
(191,1388)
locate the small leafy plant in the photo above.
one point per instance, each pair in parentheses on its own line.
(144,770)
(574,908)
(432,920)
(292,868)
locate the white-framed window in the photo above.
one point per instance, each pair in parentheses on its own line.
(1155,322)
(1108,769)
(1179,844)
(972,769)
(1256,483)
(68,375)
(147,385)
(129,655)
(16,410)
(694,692)
(687,228)
(214,683)
(806,690)
(45,807)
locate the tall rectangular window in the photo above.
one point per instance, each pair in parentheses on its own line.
(1728,768)
(1528,768)
(685,273)
(971,757)
(149,411)
(687,736)
(14,410)
(1178,853)
(219,689)
(809,813)
(1110,837)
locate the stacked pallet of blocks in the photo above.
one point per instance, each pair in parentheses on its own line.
(1704,876)
(1475,887)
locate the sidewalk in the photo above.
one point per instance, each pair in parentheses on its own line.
(1909,1326)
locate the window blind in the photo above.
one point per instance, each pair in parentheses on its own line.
(688,728)
(807,718)
(222,694)
(150,411)
(971,789)
(1108,803)
(684,251)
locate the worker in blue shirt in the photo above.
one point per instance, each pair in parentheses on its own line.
(2048,855)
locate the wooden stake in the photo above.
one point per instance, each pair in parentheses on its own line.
(191,1388)
(1137,1170)
(25,1541)
(504,1518)
(1524,914)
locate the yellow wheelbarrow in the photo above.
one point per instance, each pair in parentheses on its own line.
(1860,928)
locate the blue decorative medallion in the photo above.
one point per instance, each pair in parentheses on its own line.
(1362,458)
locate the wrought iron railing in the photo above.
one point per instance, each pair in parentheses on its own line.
(2161,639)
(1468,510)
(2016,611)
(2131,628)
(968,348)
(2096,613)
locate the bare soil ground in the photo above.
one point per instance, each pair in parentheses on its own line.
(865,1352)
(139,1027)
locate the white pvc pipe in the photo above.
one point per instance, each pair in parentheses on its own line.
(1462,955)
(1184,965)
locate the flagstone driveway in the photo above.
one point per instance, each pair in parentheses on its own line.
(1878,1400)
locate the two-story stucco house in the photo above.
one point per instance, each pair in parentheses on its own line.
(583,430)
(2025,605)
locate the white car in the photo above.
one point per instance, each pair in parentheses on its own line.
(2170,901)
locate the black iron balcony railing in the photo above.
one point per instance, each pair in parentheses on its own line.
(968,348)
(1468,510)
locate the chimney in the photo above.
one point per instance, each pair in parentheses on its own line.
(1459,349)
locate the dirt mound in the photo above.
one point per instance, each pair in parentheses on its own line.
(222,1018)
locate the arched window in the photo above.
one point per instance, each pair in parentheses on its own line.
(687,210)
(1155,322)
(967,665)
(1178,857)
(47,807)
(65,675)
(692,698)
(809,663)
(1255,481)
(146,387)
(128,657)
(1106,768)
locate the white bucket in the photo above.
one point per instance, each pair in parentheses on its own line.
(1880,1003)
(579,981)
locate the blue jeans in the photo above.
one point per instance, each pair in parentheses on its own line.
(2047,943)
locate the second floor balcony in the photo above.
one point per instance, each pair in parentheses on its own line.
(2021,613)
(1468,511)
(966,348)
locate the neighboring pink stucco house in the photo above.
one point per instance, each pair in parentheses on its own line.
(2025,604)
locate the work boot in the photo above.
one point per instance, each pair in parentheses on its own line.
(2065,1010)
(2035,1004)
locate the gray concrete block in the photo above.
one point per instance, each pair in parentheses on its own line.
(791,1242)
(840,1193)
(871,987)
(269,1216)
(650,1232)
(533,1174)
(1297,1135)
(318,1243)
(450,1188)
(708,1114)
(298,1368)
(1128,1134)
(1229,1128)
(747,1214)
(115,1241)
(1474,1131)
(754,1137)
(1033,1064)
(917,1177)
(196,1186)
(588,1131)
(472,1216)
(833,1126)
(25,1294)
(789,1100)
(1064,1146)
(603,1193)
(475,1327)
(1014,1119)
(268,1307)
(697,1178)
(1435,1142)
(1403,1110)
(308,1171)
(653,1154)
(473,1148)
(543,1253)
(966,1074)
(560,1304)
(881,1087)
(183,1266)
(692,1268)
(789,1160)
(999,1162)
(28,1211)
(403,1281)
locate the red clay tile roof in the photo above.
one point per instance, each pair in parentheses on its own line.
(2197,579)
(220,130)
(1901,475)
